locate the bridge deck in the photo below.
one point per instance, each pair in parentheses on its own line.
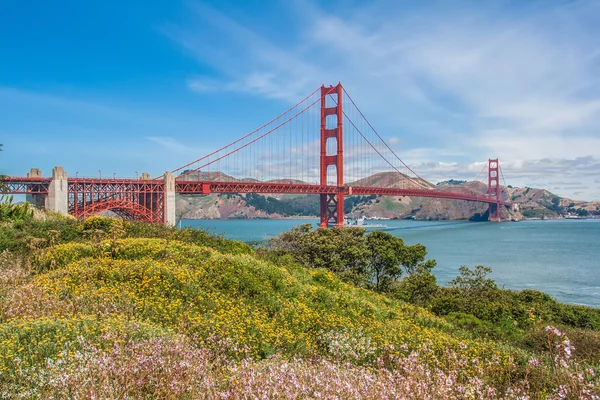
(191,187)
(20,185)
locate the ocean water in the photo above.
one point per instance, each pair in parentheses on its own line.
(559,257)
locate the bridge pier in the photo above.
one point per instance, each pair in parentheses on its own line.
(494,213)
(169,200)
(58,192)
(38,200)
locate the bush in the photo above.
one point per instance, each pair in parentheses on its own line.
(14,212)
(134,229)
(375,260)
(417,288)
(63,254)
(99,227)
(25,237)
(262,308)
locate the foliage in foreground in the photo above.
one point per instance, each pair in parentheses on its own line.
(13,212)
(132,310)
(375,260)
(172,367)
(473,301)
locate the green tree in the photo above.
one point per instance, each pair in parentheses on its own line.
(341,250)
(385,258)
(377,259)
(474,280)
(413,257)
(417,288)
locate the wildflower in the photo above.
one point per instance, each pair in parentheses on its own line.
(534,362)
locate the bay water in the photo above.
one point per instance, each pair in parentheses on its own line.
(559,257)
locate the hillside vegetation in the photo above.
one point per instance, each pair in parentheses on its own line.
(114,309)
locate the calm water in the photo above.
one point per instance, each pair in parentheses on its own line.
(559,257)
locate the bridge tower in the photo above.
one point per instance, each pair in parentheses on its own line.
(494,190)
(38,200)
(332,205)
(58,192)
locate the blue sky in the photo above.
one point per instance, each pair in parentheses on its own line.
(132,86)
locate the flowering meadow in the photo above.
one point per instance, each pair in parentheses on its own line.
(135,311)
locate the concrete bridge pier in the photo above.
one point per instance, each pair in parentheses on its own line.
(38,200)
(58,192)
(169,200)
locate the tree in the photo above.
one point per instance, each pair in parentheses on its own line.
(417,288)
(474,280)
(341,250)
(413,257)
(556,201)
(386,258)
(389,255)
(375,260)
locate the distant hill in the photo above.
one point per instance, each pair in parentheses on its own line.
(535,203)
(393,180)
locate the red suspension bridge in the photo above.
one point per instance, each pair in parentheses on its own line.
(322,145)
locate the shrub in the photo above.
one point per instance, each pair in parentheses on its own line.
(14,212)
(133,229)
(261,307)
(63,254)
(25,237)
(585,341)
(26,343)
(98,226)
(201,238)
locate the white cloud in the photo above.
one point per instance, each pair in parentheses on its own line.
(203,85)
(457,83)
(173,145)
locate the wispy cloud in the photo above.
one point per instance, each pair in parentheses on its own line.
(248,61)
(172,145)
(204,85)
(460,83)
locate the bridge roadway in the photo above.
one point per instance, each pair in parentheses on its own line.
(198,187)
(153,199)
(23,185)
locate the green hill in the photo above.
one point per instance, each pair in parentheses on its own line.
(113,309)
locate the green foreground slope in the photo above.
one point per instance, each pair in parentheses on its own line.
(110,292)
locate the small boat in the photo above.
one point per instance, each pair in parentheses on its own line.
(360,223)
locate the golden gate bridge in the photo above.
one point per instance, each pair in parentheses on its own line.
(323,145)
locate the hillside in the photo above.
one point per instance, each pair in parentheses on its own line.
(534,203)
(113,309)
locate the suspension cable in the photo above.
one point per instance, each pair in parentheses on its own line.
(374,148)
(245,136)
(252,141)
(371,126)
